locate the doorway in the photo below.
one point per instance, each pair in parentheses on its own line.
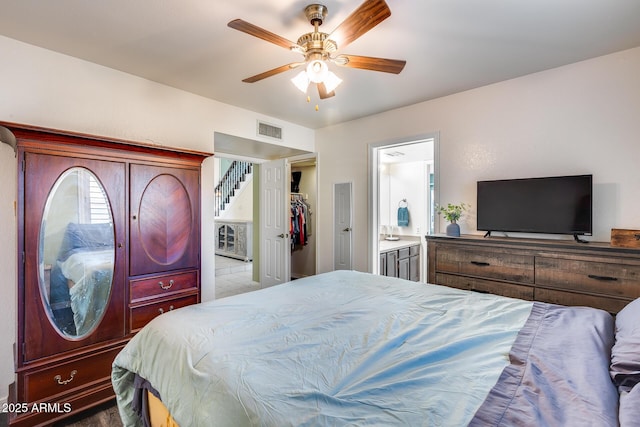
(304,202)
(233,217)
(241,275)
(403,180)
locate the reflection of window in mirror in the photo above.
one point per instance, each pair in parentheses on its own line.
(92,201)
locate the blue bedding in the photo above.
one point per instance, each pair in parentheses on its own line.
(340,348)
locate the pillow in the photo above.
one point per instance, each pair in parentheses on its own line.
(629,412)
(625,354)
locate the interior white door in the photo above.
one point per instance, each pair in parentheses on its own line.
(274,223)
(343,233)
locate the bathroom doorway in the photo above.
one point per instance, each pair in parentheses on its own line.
(403,187)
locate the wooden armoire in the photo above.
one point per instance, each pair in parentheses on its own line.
(108,239)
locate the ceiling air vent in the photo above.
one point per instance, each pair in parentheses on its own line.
(270,131)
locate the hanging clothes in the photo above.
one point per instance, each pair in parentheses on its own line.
(299,219)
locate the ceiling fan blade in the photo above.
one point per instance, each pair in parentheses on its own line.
(394,66)
(368,15)
(272,72)
(322,91)
(261,33)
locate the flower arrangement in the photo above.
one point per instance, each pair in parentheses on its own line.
(452,213)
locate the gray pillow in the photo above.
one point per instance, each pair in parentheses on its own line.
(625,354)
(629,409)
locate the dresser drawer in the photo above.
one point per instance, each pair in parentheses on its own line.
(612,305)
(486,286)
(69,377)
(141,289)
(499,264)
(143,314)
(612,279)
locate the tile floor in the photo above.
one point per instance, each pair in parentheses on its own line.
(233,277)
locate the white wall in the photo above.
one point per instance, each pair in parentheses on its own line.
(44,88)
(581,118)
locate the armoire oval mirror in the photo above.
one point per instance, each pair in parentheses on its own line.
(76,253)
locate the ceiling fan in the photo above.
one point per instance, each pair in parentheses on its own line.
(320,48)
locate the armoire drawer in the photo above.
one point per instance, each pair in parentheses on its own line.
(486,286)
(604,278)
(143,314)
(141,289)
(69,377)
(486,263)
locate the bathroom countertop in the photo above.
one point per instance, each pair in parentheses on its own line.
(404,242)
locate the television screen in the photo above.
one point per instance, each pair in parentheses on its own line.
(551,205)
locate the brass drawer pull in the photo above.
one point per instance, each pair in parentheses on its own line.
(480,263)
(161,310)
(166,287)
(603,278)
(58,378)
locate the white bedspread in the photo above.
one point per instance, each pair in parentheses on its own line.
(341,348)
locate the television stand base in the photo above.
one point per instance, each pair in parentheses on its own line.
(487,234)
(579,240)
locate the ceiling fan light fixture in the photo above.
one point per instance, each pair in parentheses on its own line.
(317,71)
(331,81)
(301,81)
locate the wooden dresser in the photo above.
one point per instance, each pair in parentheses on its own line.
(108,239)
(556,271)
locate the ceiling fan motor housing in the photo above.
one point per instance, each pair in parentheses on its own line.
(316,45)
(316,13)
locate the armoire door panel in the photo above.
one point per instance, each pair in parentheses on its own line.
(165,218)
(43,334)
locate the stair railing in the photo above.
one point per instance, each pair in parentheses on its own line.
(229,183)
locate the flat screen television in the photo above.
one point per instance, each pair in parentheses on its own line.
(549,205)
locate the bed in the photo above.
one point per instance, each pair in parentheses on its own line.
(350,348)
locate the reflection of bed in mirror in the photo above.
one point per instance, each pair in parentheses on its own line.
(80,277)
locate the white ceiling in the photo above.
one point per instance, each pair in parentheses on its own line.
(449,45)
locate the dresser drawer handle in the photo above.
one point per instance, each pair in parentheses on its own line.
(161,310)
(58,378)
(166,287)
(603,278)
(637,236)
(480,263)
